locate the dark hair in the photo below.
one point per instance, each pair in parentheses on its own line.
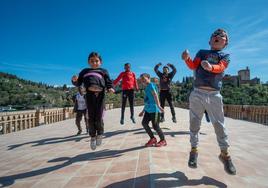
(94,54)
(223,32)
(127,64)
(145,75)
(165,67)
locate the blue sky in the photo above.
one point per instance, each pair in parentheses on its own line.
(49,40)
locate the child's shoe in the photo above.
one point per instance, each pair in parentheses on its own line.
(99,140)
(161,143)
(133,120)
(192,163)
(93,143)
(174,119)
(79,132)
(122,121)
(151,142)
(228,165)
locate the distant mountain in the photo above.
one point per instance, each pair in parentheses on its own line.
(26,94)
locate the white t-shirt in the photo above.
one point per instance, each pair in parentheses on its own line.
(81,102)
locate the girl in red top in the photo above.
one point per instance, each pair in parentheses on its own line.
(129,83)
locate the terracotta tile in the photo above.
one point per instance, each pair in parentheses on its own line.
(85,181)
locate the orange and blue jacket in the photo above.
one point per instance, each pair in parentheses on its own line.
(219,61)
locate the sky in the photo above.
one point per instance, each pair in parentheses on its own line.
(49,40)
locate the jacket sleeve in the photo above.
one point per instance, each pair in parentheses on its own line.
(223,64)
(115,82)
(193,64)
(158,73)
(108,81)
(173,72)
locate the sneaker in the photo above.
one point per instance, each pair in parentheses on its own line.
(93,143)
(174,119)
(79,132)
(99,140)
(122,121)
(162,119)
(151,142)
(192,163)
(228,165)
(133,120)
(161,143)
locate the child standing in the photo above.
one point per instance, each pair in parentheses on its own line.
(151,112)
(129,83)
(95,80)
(80,108)
(209,66)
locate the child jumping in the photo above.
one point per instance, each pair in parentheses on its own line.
(129,83)
(151,112)
(165,93)
(209,66)
(95,80)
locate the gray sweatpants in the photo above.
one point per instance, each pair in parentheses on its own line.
(211,101)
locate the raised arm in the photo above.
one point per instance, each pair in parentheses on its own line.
(158,73)
(174,70)
(192,64)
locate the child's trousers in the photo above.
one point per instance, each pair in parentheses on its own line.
(95,107)
(211,101)
(154,117)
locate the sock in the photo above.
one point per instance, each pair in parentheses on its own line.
(194,149)
(225,154)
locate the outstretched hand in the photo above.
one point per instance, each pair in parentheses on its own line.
(185,55)
(159,64)
(161,109)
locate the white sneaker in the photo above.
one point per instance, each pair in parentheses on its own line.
(99,140)
(93,143)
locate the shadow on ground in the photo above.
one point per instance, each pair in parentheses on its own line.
(165,180)
(66,161)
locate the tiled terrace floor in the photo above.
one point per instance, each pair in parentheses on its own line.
(52,156)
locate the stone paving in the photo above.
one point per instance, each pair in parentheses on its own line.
(52,156)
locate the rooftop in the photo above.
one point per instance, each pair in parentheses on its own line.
(53,156)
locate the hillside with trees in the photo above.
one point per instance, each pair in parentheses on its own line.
(25,94)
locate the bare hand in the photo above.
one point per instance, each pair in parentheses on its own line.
(111,90)
(74,78)
(185,55)
(206,65)
(161,109)
(141,114)
(159,64)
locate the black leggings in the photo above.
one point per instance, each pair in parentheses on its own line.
(154,117)
(95,107)
(165,94)
(130,95)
